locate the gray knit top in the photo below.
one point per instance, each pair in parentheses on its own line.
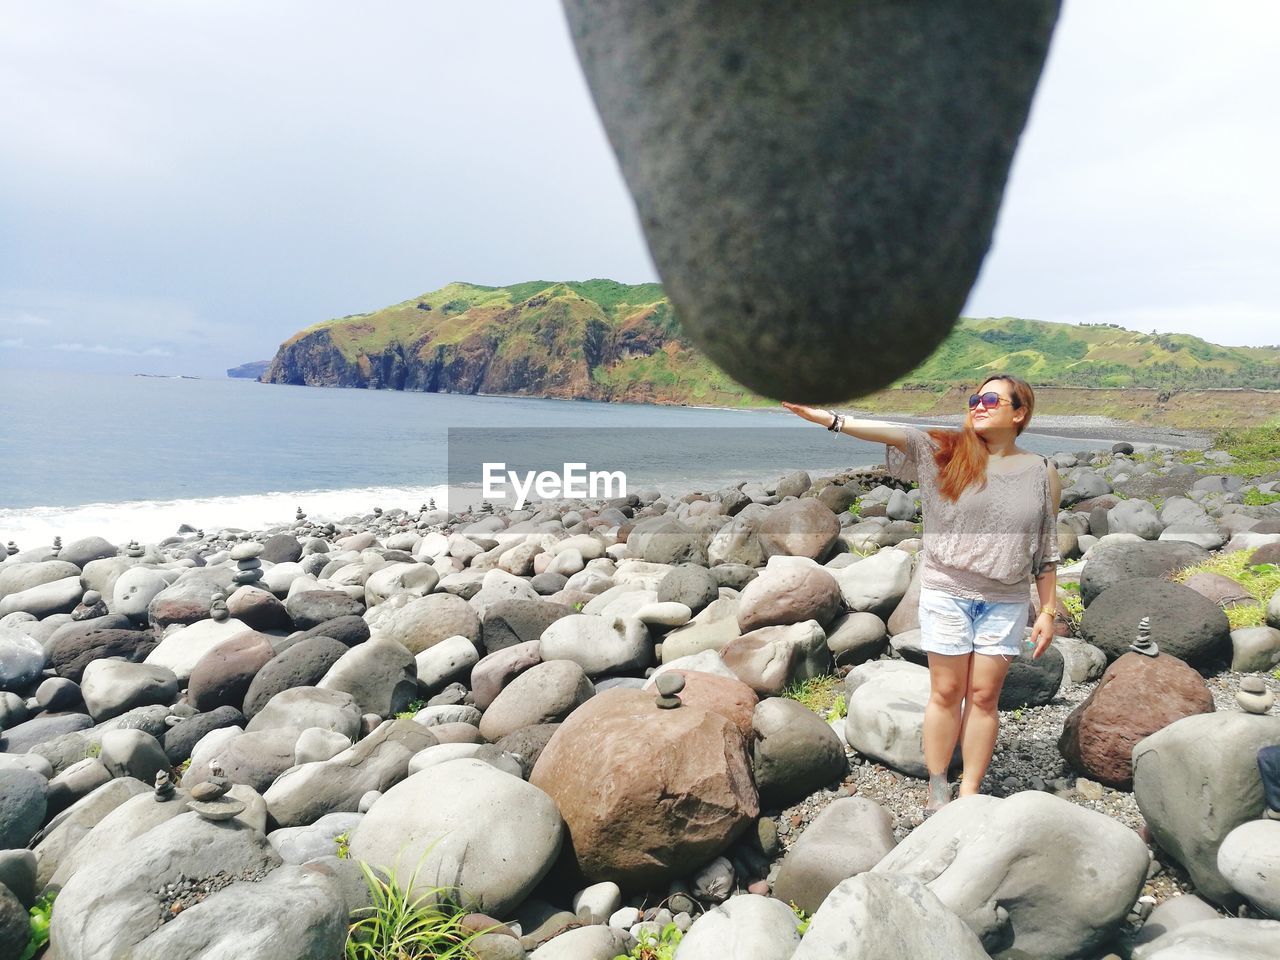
(987,544)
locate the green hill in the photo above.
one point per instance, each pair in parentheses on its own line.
(602,340)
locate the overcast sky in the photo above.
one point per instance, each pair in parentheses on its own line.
(185,184)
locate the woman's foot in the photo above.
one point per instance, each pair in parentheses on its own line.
(939,793)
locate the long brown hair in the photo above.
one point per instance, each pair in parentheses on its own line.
(962,456)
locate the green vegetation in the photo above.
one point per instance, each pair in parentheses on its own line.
(1260,581)
(1254,497)
(1256,450)
(41,913)
(409,712)
(343,840)
(803,918)
(855,508)
(403,926)
(1071,600)
(819,694)
(659,946)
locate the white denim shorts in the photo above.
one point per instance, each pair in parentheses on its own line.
(954,626)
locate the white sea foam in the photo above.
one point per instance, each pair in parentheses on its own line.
(151,520)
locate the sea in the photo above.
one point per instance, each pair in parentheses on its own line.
(137,457)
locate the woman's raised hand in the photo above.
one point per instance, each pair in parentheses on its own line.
(812,414)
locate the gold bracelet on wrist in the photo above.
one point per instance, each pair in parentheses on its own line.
(1049,609)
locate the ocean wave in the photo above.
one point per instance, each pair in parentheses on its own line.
(153,520)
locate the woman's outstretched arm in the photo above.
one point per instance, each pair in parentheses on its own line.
(875,431)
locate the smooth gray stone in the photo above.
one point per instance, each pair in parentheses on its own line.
(22,807)
(584,943)
(761,928)
(115,831)
(18,874)
(498,858)
(63,832)
(304,707)
(887,915)
(78,780)
(850,836)
(794,752)
(297,845)
(785,197)
(380,675)
(111,905)
(1225,938)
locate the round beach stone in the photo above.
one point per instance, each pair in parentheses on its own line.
(1195,781)
(885,719)
(1249,860)
(1255,649)
(1183,623)
(496,859)
(113,687)
(450,659)
(850,836)
(425,621)
(1137,696)
(665,791)
(855,638)
(790,593)
(762,928)
(380,675)
(598,644)
(76,645)
(545,693)
(223,675)
(689,584)
(303,707)
(1032,681)
(22,659)
(181,739)
(877,583)
(794,752)
(1116,561)
(22,806)
(985,857)
(312,608)
(44,600)
(770,658)
(259,609)
(798,528)
(495,670)
(183,647)
(133,753)
(303,664)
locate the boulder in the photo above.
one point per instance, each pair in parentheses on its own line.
(133,753)
(886,915)
(745,927)
(313,608)
(850,836)
(22,807)
(664,792)
(885,701)
(598,644)
(506,623)
(181,738)
(22,659)
(1195,781)
(423,622)
(794,753)
(297,845)
(119,827)
(1032,875)
(82,643)
(495,670)
(134,590)
(307,792)
(788,593)
(303,707)
(303,664)
(798,528)
(770,658)
(380,675)
(855,638)
(1249,860)
(449,660)
(545,693)
(429,823)
(710,629)
(253,758)
(1032,681)
(1137,696)
(1223,938)
(67,829)
(878,583)
(221,678)
(1255,649)
(113,687)
(259,608)
(1111,562)
(727,696)
(45,600)
(183,647)
(690,584)
(1183,623)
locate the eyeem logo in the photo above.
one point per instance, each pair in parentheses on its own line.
(548,484)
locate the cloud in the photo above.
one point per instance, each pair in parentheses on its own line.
(25,320)
(13,343)
(112,351)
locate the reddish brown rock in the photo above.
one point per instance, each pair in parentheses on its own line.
(799,528)
(495,670)
(259,609)
(789,594)
(648,795)
(221,678)
(1136,696)
(1221,589)
(732,699)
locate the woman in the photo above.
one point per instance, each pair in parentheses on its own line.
(990,529)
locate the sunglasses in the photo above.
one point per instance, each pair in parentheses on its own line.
(990,399)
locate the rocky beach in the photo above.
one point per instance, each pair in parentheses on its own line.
(691,722)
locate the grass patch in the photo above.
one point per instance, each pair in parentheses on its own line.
(819,694)
(655,946)
(1256,450)
(411,710)
(1254,497)
(400,925)
(40,914)
(1072,602)
(1261,582)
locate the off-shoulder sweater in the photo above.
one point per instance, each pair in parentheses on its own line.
(987,544)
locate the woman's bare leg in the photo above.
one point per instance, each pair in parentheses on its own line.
(980,719)
(942,718)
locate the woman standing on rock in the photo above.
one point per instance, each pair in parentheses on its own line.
(990,529)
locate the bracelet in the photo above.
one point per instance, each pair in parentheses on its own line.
(1050,610)
(837,422)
